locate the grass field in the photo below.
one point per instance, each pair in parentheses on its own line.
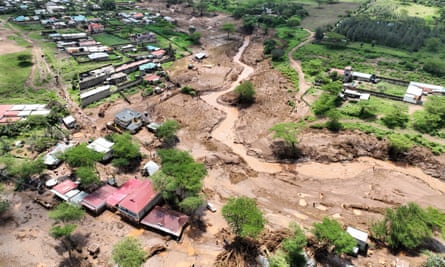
(12,79)
(19,40)
(327,14)
(109,39)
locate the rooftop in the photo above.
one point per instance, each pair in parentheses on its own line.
(101,145)
(165,220)
(64,187)
(123,191)
(140,197)
(98,198)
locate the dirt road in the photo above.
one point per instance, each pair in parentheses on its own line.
(303,85)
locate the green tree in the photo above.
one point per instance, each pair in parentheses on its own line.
(398,145)
(180,179)
(229,28)
(293,246)
(195,37)
(126,154)
(244,217)
(288,131)
(277,54)
(434,260)
(4,203)
(330,233)
(108,4)
(64,214)
(407,226)
(426,122)
(324,103)
(88,176)
(294,21)
(129,253)
(167,132)
(319,34)
(334,123)
(202,6)
(81,156)
(269,45)
(433,44)
(23,170)
(246,92)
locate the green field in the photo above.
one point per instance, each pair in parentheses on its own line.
(109,39)
(12,79)
(19,40)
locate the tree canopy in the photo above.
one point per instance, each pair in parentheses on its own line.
(243,216)
(229,28)
(126,154)
(330,233)
(167,131)
(81,155)
(246,92)
(408,225)
(88,176)
(291,252)
(288,131)
(180,179)
(129,253)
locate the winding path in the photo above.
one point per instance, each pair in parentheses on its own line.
(225,132)
(302,106)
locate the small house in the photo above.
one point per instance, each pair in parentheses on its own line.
(116,78)
(65,190)
(52,159)
(102,146)
(95,28)
(152,78)
(148,68)
(129,120)
(152,48)
(69,121)
(150,168)
(413,94)
(139,202)
(167,221)
(158,53)
(362,240)
(98,56)
(96,201)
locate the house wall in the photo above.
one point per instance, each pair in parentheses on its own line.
(93,98)
(90,82)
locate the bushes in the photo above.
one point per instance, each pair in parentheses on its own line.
(407,226)
(435,67)
(331,233)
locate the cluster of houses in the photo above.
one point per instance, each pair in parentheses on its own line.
(13,113)
(413,93)
(136,201)
(142,18)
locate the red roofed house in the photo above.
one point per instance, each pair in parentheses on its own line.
(63,190)
(167,221)
(116,197)
(138,15)
(158,53)
(95,28)
(96,201)
(152,78)
(139,202)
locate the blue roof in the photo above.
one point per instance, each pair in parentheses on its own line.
(79,18)
(152,48)
(147,66)
(20,18)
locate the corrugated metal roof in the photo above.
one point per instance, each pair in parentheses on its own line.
(151,167)
(122,192)
(97,199)
(165,220)
(64,187)
(140,197)
(357,234)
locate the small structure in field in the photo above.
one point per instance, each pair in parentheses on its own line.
(52,159)
(65,190)
(150,168)
(102,146)
(362,240)
(94,95)
(167,221)
(69,121)
(413,94)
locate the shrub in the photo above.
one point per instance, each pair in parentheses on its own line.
(330,232)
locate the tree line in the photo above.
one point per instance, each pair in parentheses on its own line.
(408,34)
